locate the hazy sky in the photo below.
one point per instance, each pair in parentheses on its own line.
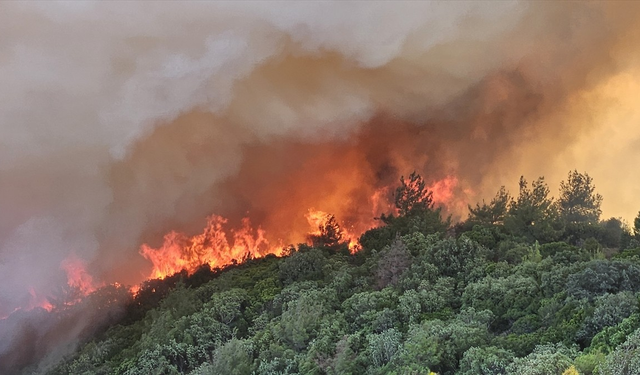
(122,121)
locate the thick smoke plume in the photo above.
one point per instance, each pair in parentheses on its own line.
(121,122)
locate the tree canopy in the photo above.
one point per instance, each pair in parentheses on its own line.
(412,195)
(578,201)
(518,288)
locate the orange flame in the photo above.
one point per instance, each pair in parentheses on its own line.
(211,247)
(443,190)
(80,281)
(318,219)
(37,300)
(219,246)
(77,276)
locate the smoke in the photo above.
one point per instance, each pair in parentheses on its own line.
(123,121)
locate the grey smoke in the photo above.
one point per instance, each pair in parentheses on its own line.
(120,121)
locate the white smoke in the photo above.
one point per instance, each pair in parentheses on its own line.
(119,118)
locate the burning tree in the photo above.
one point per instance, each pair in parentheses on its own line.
(329,233)
(412,195)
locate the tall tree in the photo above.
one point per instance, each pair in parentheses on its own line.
(330,234)
(412,195)
(533,214)
(492,213)
(578,202)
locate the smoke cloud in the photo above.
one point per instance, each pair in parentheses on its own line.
(123,121)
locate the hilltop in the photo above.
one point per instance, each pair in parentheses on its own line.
(528,284)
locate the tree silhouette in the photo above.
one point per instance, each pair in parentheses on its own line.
(533,214)
(578,201)
(412,195)
(492,213)
(329,233)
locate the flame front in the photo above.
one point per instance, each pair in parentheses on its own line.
(211,247)
(38,300)
(77,276)
(318,219)
(219,246)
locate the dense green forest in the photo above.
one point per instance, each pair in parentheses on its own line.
(528,284)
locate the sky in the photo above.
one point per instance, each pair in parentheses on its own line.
(121,122)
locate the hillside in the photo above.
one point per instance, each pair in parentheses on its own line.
(527,284)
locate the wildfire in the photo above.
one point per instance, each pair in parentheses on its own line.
(181,252)
(211,247)
(220,245)
(37,300)
(80,283)
(380,203)
(320,219)
(443,190)
(77,276)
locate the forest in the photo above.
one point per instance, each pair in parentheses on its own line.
(527,284)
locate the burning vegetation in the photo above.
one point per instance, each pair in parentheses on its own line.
(219,245)
(143,147)
(415,275)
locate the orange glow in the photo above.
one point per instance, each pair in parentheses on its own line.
(37,300)
(443,190)
(181,252)
(78,279)
(77,276)
(134,289)
(380,203)
(219,246)
(318,219)
(211,247)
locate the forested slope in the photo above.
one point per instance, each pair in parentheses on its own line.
(526,285)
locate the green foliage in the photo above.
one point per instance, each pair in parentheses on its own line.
(578,201)
(383,346)
(412,196)
(625,359)
(489,237)
(631,254)
(439,345)
(587,363)
(233,358)
(601,276)
(394,260)
(557,248)
(363,309)
(303,265)
(508,298)
(610,309)
(428,300)
(609,338)
(301,319)
(492,213)
(488,360)
(518,288)
(533,214)
(544,360)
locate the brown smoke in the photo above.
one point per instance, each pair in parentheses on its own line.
(123,121)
